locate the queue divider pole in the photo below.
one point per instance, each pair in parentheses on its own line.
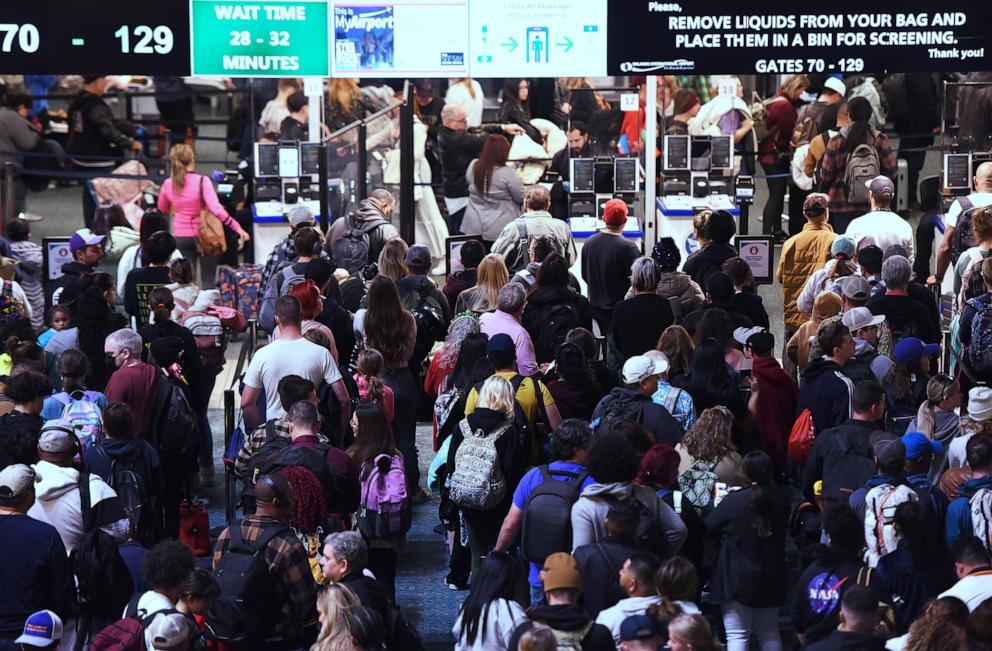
(229,480)
(322,194)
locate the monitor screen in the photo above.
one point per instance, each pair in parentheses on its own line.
(289,161)
(700,148)
(722,152)
(625,175)
(583,175)
(957,171)
(309,158)
(266,159)
(676,152)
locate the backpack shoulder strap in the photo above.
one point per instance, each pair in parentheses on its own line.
(965,203)
(63,397)
(539,399)
(270,431)
(85,503)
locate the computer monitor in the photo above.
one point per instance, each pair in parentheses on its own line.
(309,158)
(625,177)
(676,152)
(957,171)
(289,161)
(583,175)
(700,151)
(721,152)
(266,159)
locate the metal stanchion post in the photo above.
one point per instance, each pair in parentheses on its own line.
(6,193)
(408,208)
(229,480)
(363,161)
(325,204)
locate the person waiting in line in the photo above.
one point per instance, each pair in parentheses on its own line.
(824,389)
(831,275)
(295,126)
(335,603)
(471,255)
(134,257)
(859,618)
(881,226)
(778,394)
(186,194)
(110,221)
(576,391)
(606,260)
(826,305)
(746,299)
(773,152)
(633,402)
(495,192)
(483,297)
(276,109)
(981,197)
(600,562)
(343,561)
(489,615)
(142,281)
(640,319)
(73,368)
(637,582)
(515,109)
(513,241)
(673,283)
(719,298)
(552,308)
(720,229)
(833,168)
(306,243)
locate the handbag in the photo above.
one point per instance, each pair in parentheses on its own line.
(210,239)
(194,526)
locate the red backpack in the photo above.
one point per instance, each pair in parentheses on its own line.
(801,437)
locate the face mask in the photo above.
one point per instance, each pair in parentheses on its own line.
(110,360)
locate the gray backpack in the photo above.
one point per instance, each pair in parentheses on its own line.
(862,166)
(478,481)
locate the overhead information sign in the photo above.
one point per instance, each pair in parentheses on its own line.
(260,39)
(779,36)
(522,38)
(402,38)
(100,37)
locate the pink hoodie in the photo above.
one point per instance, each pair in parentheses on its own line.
(187,205)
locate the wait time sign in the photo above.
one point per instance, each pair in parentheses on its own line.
(260,39)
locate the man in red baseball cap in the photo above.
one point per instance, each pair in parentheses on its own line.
(606,260)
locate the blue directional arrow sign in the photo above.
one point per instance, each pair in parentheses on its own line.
(566,44)
(510,43)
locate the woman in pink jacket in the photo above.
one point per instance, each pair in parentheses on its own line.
(185,194)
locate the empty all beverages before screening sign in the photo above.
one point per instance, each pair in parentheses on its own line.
(260,39)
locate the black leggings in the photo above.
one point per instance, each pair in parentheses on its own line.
(400,380)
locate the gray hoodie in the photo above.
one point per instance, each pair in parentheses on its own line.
(589,514)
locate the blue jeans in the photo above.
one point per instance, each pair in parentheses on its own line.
(537,596)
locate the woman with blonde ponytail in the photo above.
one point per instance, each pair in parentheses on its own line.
(184,194)
(936,418)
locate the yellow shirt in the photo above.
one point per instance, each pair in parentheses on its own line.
(525,396)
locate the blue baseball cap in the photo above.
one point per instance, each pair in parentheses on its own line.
(917,444)
(639,627)
(42,629)
(911,349)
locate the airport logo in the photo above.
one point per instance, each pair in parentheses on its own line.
(652,66)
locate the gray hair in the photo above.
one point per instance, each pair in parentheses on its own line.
(303,414)
(511,298)
(383,196)
(126,339)
(451,112)
(644,274)
(349,546)
(896,271)
(537,197)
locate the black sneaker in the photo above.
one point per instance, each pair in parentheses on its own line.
(454,583)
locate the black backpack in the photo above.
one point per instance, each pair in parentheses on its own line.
(859,367)
(130,488)
(351,250)
(650,535)
(105,584)
(620,407)
(175,421)
(845,473)
(428,313)
(277,453)
(556,323)
(547,522)
(963,237)
(402,636)
(245,610)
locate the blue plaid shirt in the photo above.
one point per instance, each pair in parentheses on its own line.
(684,410)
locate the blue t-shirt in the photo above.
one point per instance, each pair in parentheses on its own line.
(530,481)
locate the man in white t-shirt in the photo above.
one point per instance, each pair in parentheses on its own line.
(881,226)
(291,354)
(981,197)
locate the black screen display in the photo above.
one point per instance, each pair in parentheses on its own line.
(625,175)
(309,158)
(583,176)
(676,152)
(267,159)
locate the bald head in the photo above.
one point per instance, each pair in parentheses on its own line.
(983,177)
(453,116)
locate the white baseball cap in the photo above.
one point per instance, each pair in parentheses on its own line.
(640,367)
(861,317)
(836,85)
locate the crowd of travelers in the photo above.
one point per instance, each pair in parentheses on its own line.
(619,458)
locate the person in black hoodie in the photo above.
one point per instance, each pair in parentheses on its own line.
(599,563)
(120,451)
(719,296)
(87,251)
(825,390)
(553,299)
(720,229)
(842,456)
(746,299)
(563,615)
(141,281)
(19,429)
(333,315)
(343,559)
(749,579)
(859,622)
(817,598)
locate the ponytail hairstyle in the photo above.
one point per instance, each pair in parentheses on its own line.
(675,580)
(73,367)
(180,157)
(758,470)
(161,304)
(939,388)
(311,304)
(370,367)
(181,271)
(860,131)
